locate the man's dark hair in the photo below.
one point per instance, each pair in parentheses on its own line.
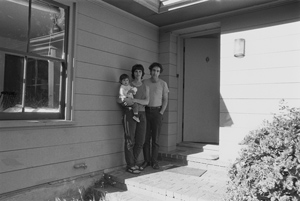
(156,64)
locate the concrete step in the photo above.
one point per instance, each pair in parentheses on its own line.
(197,145)
(188,173)
(171,182)
(208,158)
(196,155)
(201,163)
(117,194)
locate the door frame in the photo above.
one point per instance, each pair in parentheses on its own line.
(182,34)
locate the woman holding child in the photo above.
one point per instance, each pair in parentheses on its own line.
(135,131)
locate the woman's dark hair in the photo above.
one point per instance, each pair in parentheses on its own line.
(123,77)
(137,67)
(156,64)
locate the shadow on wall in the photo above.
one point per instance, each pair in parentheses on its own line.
(225,118)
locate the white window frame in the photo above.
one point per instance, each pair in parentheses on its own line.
(67,120)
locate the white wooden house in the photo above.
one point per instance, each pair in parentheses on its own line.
(214,97)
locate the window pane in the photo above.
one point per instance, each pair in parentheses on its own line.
(13,24)
(42,86)
(47,29)
(11,95)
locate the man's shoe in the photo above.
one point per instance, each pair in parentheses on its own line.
(145,164)
(155,166)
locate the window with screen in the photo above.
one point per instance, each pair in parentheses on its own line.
(33,64)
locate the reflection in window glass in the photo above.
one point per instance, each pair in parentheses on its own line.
(11,96)
(42,86)
(33,65)
(13,37)
(47,29)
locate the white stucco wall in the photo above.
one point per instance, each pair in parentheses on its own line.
(252,86)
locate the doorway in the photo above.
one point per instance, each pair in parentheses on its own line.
(201,89)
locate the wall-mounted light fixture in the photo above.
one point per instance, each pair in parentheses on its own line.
(239,48)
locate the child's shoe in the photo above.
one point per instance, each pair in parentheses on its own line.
(136,118)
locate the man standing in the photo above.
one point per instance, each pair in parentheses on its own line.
(158,101)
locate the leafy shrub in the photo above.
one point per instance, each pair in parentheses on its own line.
(268,167)
(95,192)
(89,194)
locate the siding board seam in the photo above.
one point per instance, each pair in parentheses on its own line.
(118,41)
(67,161)
(135,59)
(60,145)
(119,28)
(255,69)
(100,65)
(256,84)
(93,79)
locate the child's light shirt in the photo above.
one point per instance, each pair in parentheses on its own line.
(123,92)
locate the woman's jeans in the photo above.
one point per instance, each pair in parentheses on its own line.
(134,136)
(154,122)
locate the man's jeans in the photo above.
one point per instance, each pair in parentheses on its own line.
(134,136)
(154,122)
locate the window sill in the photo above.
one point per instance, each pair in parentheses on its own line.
(34,123)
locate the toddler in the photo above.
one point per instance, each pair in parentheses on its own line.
(127,91)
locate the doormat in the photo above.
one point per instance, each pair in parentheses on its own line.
(185,170)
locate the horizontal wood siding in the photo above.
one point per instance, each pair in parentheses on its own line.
(50,173)
(252,86)
(108,42)
(30,158)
